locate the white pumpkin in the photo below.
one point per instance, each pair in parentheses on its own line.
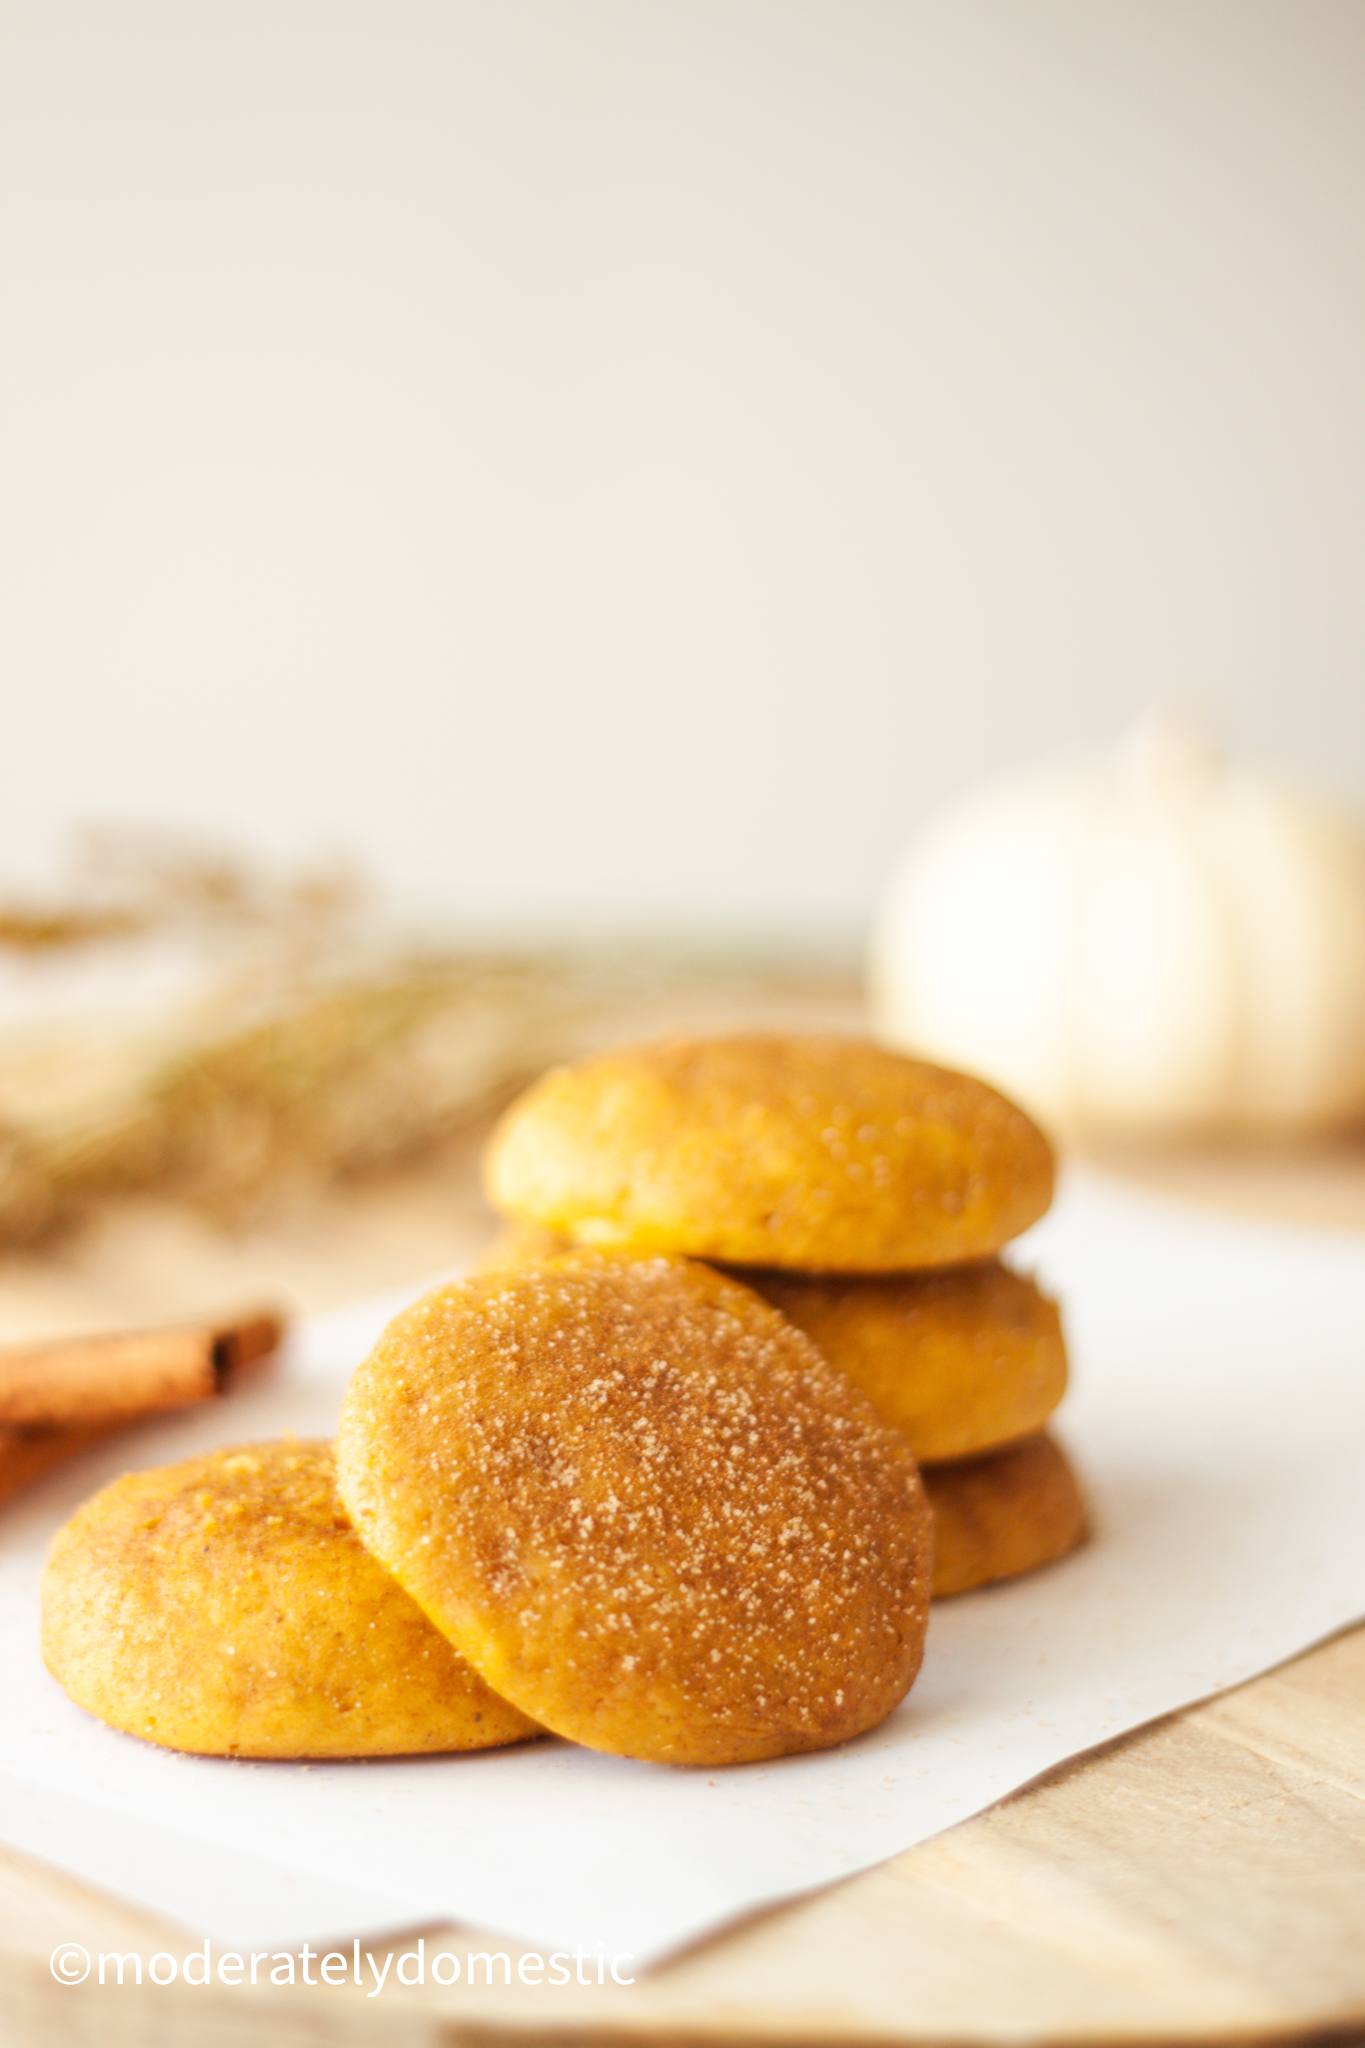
(1162,943)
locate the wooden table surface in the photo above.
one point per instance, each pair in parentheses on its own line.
(1203,1879)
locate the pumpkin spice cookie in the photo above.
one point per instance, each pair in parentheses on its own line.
(644,1507)
(1002,1514)
(226,1606)
(823,1154)
(961,1360)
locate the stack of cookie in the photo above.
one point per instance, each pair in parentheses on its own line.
(865,1196)
(607,1490)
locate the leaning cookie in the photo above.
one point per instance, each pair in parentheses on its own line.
(961,1360)
(226,1606)
(1002,1514)
(820,1154)
(644,1507)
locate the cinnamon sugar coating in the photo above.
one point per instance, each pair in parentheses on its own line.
(226,1606)
(961,1360)
(644,1507)
(1002,1514)
(823,1154)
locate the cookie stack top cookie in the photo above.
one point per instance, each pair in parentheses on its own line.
(811,1154)
(601,1488)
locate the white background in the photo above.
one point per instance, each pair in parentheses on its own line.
(615,465)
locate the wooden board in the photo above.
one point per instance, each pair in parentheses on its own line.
(1203,1879)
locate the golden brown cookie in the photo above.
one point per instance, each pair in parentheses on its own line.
(824,1154)
(1002,1514)
(227,1606)
(644,1506)
(962,1360)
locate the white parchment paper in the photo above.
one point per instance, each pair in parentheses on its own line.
(1218,1417)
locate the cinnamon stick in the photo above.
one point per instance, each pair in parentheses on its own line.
(87,1382)
(26,1454)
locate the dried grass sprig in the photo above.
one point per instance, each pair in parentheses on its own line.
(318,1048)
